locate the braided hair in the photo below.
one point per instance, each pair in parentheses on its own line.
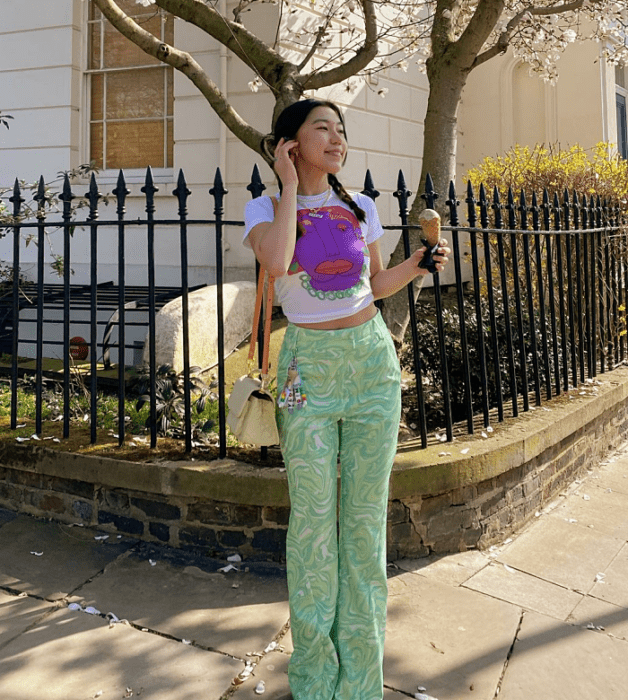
(286,127)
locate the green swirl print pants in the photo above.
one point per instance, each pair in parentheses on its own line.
(336,549)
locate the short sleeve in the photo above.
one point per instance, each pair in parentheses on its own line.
(256,211)
(373,225)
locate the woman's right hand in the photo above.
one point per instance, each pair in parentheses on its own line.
(285,156)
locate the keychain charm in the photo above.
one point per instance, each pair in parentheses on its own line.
(291,395)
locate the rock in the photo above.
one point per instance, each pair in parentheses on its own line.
(238,305)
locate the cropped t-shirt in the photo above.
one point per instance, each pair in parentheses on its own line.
(329,277)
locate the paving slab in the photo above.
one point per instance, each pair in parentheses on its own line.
(51,559)
(453,569)
(445,639)
(272,670)
(553,660)
(613,476)
(236,613)
(6,516)
(524,590)
(613,586)
(595,507)
(567,554)
(598,613)
(75,656)
(18,613)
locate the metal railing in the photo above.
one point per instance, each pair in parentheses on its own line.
(540,294)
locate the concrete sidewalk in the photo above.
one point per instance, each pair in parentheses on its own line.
(544,616)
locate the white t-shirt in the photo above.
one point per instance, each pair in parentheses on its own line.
(329,277)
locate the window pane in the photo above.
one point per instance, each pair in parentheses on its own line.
(170,92)
(121,52)
(135,144)
(96,142)
(135,94)
(170,143)
(97,82)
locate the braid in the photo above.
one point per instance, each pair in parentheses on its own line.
(345,197)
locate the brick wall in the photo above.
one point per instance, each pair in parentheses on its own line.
(482,514)
(222,508)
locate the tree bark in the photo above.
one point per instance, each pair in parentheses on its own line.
(447,71)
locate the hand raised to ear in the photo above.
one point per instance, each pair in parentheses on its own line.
(285,157)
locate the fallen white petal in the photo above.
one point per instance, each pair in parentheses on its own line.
(228,568)
(260,688)
(152,562)
(37,554)
(234,557)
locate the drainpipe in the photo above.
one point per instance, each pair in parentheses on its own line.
(604,97)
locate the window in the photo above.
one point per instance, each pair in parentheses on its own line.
(622,123)
(131,93)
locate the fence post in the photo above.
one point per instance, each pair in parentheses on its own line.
(93,196)
(430,197)
(66,197)
(402,194)
(218,192)
(452,202)
(475,266)
(121,192)
(541,294)
(182,193)
(40,198)
(497,207)
(17,202)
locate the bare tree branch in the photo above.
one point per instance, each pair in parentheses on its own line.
(363,56)
(251,50)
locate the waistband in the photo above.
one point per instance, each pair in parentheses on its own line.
(362,332)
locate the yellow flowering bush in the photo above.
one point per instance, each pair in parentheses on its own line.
(599,170)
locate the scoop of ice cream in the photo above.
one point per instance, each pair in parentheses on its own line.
(429,220)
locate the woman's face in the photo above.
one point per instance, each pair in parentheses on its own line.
(322,142)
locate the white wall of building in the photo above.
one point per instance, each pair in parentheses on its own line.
(43,85)
(503,105)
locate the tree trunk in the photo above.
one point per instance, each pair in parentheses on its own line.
(439,159)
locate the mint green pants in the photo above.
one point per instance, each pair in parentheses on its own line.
(336,549)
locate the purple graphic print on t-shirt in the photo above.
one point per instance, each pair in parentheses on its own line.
(332,250)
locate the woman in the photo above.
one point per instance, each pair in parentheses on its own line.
(340,401)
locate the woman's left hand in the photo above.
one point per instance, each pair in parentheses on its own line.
(440,256)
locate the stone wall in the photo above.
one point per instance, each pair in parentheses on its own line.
(470,493)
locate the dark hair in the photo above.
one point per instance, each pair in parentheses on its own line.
(288,123)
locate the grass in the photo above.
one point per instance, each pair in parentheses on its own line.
(136,445)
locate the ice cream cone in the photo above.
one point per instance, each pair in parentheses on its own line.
(429,221)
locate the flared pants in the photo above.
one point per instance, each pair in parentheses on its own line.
(336,548)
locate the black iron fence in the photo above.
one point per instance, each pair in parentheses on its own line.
(539,301)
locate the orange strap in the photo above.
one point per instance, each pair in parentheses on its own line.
(268,310)
(267,321)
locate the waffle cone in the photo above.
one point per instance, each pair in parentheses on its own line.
(430,223)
